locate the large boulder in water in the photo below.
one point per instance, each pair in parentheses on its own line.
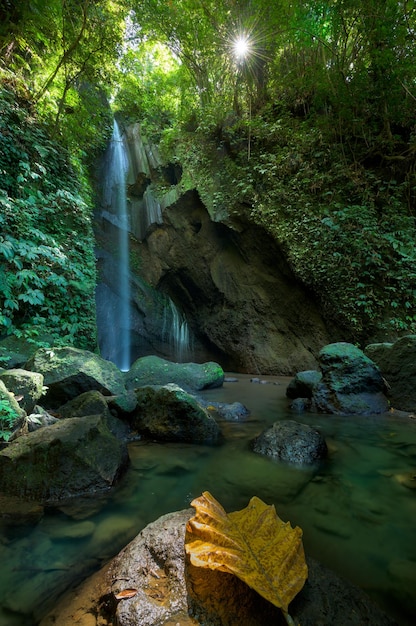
(169,413)
(351,383)
(152,370)
(291,442)
(151,583)
(73,457)
(397,362)
(68,372)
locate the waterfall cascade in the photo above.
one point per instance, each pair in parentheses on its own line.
(176,332)
(116,337)
(132,319)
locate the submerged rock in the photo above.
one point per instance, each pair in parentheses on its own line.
(68,372)
(14,511)
(151,583)
(291,442)
(232,412)
(152,370)
(169,413)
(73,457)
(397,362)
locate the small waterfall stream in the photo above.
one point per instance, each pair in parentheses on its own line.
(176,332)
(117,343)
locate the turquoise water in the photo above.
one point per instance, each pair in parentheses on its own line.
(357,510)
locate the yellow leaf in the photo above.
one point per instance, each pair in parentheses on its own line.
(253,544)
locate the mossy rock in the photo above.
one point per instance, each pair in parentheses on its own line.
(152,370)
(169,413)
(24,383)
(69,372)
(397,363)
(351,383)
(74,457)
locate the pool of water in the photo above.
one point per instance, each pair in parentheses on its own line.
(357,510)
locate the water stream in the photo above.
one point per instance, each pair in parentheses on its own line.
(357,514)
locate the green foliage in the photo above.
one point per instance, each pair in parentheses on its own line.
(8,417)
(47,268)
(151,88)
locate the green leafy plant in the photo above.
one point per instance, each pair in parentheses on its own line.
(8,417)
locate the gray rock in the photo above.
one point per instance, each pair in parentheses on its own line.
(24,383)
(234,411)
(397,363)
(40,418)
(68,372)
(152,370)
(169,413)
(73,457)
(301,386)
(166,589)
(291,442)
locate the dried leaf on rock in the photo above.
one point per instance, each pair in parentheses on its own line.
(253,544)
(125,593)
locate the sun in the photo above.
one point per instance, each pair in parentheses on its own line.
(241,46)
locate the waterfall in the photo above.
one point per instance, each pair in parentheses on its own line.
(176,332)
(117,343)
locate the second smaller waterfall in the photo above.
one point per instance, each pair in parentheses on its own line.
(176,333)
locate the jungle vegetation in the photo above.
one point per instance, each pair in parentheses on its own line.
(297,116)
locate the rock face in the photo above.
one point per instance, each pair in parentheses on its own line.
(291,442)
(349,383)
(235,288)
(230,279)
(152,370)
(397,362)
(165,589)
(68,372)
(73,457)
(170,414)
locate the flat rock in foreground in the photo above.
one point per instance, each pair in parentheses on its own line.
(163,589)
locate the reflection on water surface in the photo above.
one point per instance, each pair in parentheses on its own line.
(357,510)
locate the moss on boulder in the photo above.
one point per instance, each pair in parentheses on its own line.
(171,414)
(68,372)
(73,457)
(152,370)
